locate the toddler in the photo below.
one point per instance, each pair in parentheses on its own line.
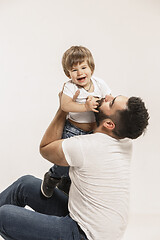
(78,65)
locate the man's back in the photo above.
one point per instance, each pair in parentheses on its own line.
(99,194)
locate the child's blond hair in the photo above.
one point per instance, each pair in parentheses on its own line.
(75,55)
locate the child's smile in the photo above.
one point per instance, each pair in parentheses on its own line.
(81,74)
(81,79)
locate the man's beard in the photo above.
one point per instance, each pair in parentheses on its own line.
(100,116)
(100,101)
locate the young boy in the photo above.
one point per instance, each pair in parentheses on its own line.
(78,65)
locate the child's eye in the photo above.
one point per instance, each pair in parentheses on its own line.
(73,70)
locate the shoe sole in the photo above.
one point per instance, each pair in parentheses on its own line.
(43,191)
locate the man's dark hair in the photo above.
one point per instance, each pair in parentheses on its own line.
(130,122)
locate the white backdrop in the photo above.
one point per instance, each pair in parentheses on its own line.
(124,37)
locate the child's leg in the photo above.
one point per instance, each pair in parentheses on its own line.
(68,131)
(55,173)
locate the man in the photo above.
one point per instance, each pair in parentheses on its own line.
(97,207)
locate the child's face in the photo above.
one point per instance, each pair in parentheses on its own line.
(81,74)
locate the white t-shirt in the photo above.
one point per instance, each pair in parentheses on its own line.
(101,89)
(99,193)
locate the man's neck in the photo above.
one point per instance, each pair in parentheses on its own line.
(101,129)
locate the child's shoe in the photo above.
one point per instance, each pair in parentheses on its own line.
(64,184)
(48,185)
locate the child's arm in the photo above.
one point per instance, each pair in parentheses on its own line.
(69,105)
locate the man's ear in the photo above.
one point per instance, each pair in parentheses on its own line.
(109,124)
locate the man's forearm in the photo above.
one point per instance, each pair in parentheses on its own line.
(51,144)
(55,129)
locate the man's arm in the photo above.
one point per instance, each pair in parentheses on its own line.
(51,144)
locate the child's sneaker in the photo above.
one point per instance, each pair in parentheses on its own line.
(64,184)
(48,185)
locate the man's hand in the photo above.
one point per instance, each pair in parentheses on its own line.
(91,103)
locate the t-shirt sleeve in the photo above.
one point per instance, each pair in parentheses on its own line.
(69,89)
(73,151)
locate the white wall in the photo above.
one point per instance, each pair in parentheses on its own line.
(124,38)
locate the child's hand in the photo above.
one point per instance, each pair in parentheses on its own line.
(91,104)
(75,95)
(61,95)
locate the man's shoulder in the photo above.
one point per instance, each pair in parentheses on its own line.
(91,137)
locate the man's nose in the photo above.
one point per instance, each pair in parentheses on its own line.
(108,98)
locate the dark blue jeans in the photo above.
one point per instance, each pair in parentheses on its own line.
(69,131)
(48,221)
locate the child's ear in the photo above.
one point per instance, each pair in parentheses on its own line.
(109,124)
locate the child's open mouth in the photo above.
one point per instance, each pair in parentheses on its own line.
(81,79)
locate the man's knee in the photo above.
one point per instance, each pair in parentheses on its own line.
(8,218)
(5,216)
(3,211)
(25,180)
(23,186)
